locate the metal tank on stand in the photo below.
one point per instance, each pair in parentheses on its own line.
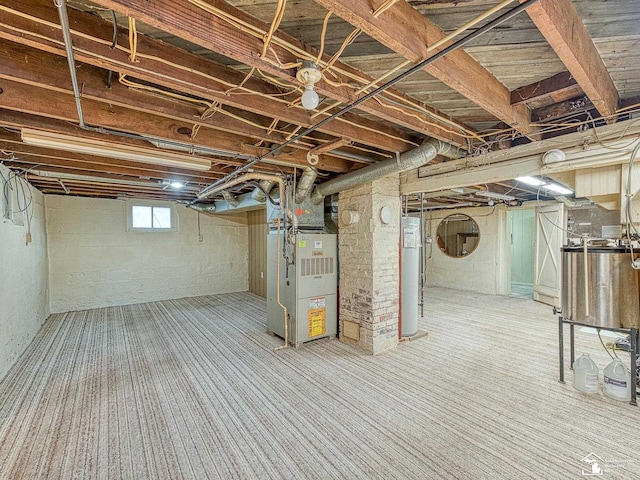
(600,289)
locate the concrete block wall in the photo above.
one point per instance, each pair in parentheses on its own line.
(24,302)
(94,262)
(369,266)
(486,270)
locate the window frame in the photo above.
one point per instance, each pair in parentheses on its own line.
(151,204)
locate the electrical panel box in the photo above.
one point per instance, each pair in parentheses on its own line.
(308,286)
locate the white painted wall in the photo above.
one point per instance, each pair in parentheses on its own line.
(23,281)
(486,270)
(94,262)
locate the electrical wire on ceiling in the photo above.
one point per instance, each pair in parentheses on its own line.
(440,54)
(279,14)
(544,128)
(302,54)
(469,134)
(417,107)
(212,106)
(23,198)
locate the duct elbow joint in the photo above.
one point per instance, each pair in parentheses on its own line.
(317,197)
(305,184)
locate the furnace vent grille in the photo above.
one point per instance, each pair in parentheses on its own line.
(316,266)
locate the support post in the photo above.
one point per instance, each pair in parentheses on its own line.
(633,349)
(561,347)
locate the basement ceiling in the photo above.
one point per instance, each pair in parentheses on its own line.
(217,80)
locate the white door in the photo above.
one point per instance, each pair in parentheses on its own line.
(550,235)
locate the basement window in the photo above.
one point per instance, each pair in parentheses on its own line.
(151,218)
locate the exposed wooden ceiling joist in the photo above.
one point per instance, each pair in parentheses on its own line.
(559,22)
(183,19)
(36,68)
(573,106)
(188,52)
(13,147)
(162,64)
(17,96)
(404,30)
(558,88)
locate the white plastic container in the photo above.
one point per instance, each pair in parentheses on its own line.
(617,381)
(585,374)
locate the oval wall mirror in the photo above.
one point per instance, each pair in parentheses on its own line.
(458,235)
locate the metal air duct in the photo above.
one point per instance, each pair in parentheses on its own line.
(212,190)
(265,187)
(207,208)
(408,161)
(231,198)
(305,184)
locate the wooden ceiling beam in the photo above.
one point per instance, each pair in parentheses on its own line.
(337,143)
(17,120)
(29,23)
(558,88)
(18,97)
(561,25)
(183,19)
(405,31)
(95,185)
(562,109)
(41,69)
(424,3)
(92,176)
(70,162)
(90,191)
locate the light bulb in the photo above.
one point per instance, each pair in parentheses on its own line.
(310,99)
(534,181)
(177,184)
(554,187)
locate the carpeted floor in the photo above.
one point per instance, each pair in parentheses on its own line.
(193,388)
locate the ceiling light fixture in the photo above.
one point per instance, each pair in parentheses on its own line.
(39,138)
(553,156)
(308,74)
(554,187)
(496,196)
(102,180)
(533,181)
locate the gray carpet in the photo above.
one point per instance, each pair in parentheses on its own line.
(192,388)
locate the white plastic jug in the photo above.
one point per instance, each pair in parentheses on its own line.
(617,381)
(585,374)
